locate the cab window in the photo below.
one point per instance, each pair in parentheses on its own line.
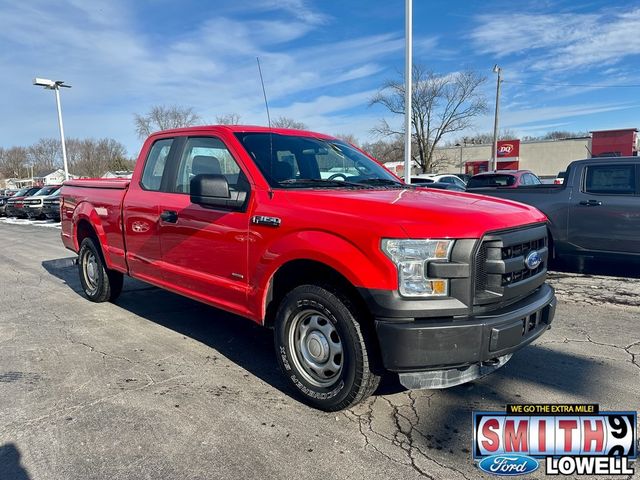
(208,155)
(610,179)
(155,164)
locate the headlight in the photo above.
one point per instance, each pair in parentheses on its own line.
(411,257)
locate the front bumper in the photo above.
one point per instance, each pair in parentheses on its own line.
(483,340)
(10,210)
(33,212)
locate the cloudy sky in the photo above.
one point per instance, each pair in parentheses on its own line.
(322,61)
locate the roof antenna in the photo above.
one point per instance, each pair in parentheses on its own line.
(266,104)
(264,92)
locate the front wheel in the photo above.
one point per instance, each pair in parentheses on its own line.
(322,350)
(99,283)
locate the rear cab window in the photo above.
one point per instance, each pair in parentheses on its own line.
(492,181)
(610,179)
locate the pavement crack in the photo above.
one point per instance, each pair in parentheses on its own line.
(104,354)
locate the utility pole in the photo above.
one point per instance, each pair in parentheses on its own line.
(494,150)
(408,89)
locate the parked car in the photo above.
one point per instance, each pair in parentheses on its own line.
(421,180)
(503,179)
(429,183)
(33,205)
(444,178)
(356,276)
(5,195)
(462,176)
(559,180)
(594,213)
(15,205)
(51,206)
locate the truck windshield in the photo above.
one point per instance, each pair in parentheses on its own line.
(291,161)
(491,181)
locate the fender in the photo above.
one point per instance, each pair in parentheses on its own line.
(360,269)
(86,211)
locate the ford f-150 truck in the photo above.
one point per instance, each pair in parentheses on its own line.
(594,213)
(355,271)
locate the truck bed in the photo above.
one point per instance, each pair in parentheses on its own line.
(99,203)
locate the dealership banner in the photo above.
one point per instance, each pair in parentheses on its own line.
(569,439)
(508,148)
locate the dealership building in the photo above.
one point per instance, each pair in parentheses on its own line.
(543,157)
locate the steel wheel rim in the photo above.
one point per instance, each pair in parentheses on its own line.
(90,271)
(317,349)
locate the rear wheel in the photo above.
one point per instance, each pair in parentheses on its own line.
(99,283)
(322,350)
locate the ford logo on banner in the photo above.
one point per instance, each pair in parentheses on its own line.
(533,260)
(508,464)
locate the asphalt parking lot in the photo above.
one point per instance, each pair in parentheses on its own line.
(158,386)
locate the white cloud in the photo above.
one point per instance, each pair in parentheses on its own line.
(117,68)
(561,41)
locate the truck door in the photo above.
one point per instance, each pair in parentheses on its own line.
(204,249)
(604,211)
(141,212)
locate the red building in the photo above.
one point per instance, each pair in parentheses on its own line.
(614,143)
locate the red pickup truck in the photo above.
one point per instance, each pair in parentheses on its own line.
(357,272)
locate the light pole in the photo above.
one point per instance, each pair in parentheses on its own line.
(460,163)
(494,150)
(51,85)
(408,89)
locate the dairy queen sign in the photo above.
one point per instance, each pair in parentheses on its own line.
(508,148)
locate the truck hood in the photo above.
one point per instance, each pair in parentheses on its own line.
(421,212)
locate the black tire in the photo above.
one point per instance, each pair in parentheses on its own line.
(98,283)
(307,315)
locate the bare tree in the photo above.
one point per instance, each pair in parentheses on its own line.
(386,151)
(94,157)
(348,137)
(441,104)
(484,138)
(228,119)
(162,117)
(45,155)
(13,162)
(287,122)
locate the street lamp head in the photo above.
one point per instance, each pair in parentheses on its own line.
(44,82)
(496,68)
(49,84)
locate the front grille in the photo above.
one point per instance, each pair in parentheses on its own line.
(500,269)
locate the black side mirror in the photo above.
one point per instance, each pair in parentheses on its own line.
(213,190)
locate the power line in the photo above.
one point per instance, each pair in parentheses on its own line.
(573,85)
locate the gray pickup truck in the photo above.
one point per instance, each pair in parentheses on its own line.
(595,213)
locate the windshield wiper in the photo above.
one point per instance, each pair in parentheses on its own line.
(383,181)
(322,181)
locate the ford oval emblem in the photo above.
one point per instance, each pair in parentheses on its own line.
(508,464)
(533,260)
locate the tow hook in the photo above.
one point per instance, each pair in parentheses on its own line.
(491,362)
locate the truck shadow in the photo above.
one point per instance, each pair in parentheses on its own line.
(240,340)
(10,465)
(439,422)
